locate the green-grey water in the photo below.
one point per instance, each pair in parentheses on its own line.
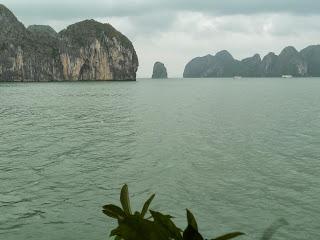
(241,153)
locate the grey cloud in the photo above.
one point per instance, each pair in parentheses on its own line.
(150,16)
(252,6)
(109,8)
(153,22)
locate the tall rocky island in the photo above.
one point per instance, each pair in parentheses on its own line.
(87,50)
(159,71)
(289,62)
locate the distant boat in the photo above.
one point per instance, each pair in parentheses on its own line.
(237,77)
(287,76)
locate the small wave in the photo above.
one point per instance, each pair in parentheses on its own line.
(16,226)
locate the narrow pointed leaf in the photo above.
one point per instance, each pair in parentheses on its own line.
(115,232)
(229,236)
(124,199)
(135,228)
(165,222)
(146,205)
(191,220)
(113,211)
(191,234)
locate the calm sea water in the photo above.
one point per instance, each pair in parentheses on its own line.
(240,153)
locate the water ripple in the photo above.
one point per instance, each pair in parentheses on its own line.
(240,155)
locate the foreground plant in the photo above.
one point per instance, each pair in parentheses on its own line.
(134,226)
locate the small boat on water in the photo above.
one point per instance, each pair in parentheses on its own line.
(286,76)
(237,77)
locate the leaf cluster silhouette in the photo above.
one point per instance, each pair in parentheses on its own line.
(134,226)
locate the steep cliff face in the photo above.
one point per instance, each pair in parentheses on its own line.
(269,65)
(199,67)
(23,55)
(225,65)
(220,65)
(159,71)
(88,50)
(250,67)
(289,62)
(94,51)
(11,29)
(311,55)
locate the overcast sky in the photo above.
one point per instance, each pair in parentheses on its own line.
(175,31)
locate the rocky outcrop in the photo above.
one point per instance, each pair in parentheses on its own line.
(43,30)
(289,62)
(224,65)
(159,71)
(269,65)
(250,67)
(220,65)
(87,50)
(311,55)
(199,67)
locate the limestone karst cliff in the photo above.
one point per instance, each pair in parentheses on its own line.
(220,65)
(87,50)
(159,71)
(312,56)
(289,62)
(250,66)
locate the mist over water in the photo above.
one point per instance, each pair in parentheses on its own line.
(240,153)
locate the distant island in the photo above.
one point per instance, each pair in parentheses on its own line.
(289,62)
(159,71)
(87,50)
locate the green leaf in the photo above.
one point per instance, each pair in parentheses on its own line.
(115,232)
(165,222)
(191,234)
(146,206)
(191,220)
(136,228)
(229,236)
(114,211)
(124,199)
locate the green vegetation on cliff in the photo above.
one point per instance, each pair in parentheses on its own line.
(43,30)
(289,62)
(159,71)
(84,32)
(87,50)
